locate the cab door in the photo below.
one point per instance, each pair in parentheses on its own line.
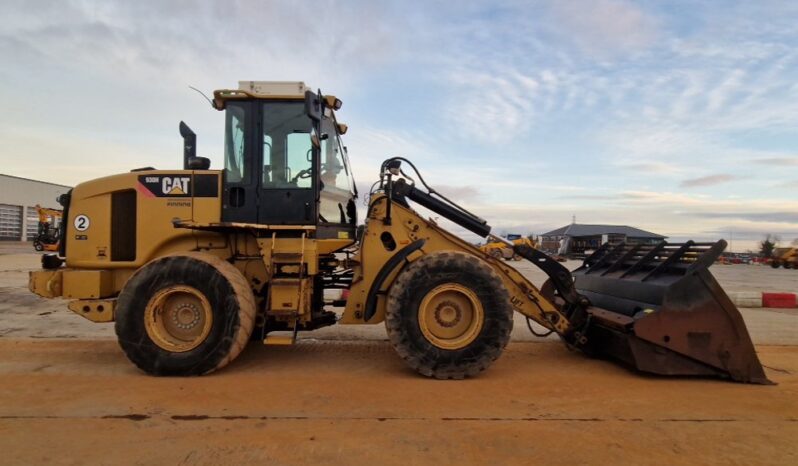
(288,183)
(240,195)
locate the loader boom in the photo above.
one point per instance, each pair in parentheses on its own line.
(655,308)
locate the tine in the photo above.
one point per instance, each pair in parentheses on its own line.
(670,260)
(645,259)
(606,257)
(597,255)
(708,258)
(622,260)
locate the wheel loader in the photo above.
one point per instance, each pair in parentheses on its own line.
(191,265)
(501,250)
(785,257)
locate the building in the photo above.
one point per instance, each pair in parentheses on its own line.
(575,239)
(19,219)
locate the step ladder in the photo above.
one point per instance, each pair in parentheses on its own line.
(281,338)
(286,294)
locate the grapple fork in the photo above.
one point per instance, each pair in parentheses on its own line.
(660,310)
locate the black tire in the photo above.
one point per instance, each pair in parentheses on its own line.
(231,301)
(402,315)
(37,245)
(775,264)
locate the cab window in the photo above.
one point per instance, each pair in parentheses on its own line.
(287,154)
(234,143)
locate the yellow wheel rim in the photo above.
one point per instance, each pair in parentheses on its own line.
(450,316)
(178,318)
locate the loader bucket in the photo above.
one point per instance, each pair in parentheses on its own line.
(658,309)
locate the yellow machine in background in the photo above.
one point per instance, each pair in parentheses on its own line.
(502,250)
(192,264)
(785,257)
(49,225)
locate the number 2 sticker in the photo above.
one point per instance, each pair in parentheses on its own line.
(82,223)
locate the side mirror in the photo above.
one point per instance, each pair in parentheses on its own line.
(394,166)
(342,128)
(313,105)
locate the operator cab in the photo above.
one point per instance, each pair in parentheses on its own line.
(285,163)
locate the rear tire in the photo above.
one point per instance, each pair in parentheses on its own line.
(37,245)
(448,315)
(187,314)
(774,264)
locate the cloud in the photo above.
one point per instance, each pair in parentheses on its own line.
(527,112)
(791,185)
(459,194)
(590,197)
(779,161)
(661,168)
(605,26)
(772,216)
(709,180)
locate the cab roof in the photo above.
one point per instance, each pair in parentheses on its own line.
(264,90)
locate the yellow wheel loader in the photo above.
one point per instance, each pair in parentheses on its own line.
(192,264)
(501,250)
(785,257)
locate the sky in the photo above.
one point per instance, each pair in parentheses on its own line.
(677,117)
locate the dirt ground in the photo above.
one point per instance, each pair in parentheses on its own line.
(343,403)
(341,396)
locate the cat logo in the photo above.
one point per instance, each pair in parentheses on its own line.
(177,186)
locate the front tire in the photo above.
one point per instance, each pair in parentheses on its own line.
(448,315)
(37,245)
(187,314)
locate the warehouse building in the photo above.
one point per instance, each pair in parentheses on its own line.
(576,239)
(19,218)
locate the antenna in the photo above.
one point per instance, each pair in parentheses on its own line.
(203,95)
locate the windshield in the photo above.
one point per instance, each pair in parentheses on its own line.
(337,184)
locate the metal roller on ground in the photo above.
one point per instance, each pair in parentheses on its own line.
(192,264)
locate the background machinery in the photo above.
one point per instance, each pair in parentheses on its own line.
(49,226)
(192,264)
(785,257)
(502,250)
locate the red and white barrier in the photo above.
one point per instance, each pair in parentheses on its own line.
(780,300)
(764,299)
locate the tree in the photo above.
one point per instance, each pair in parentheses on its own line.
(767,245)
